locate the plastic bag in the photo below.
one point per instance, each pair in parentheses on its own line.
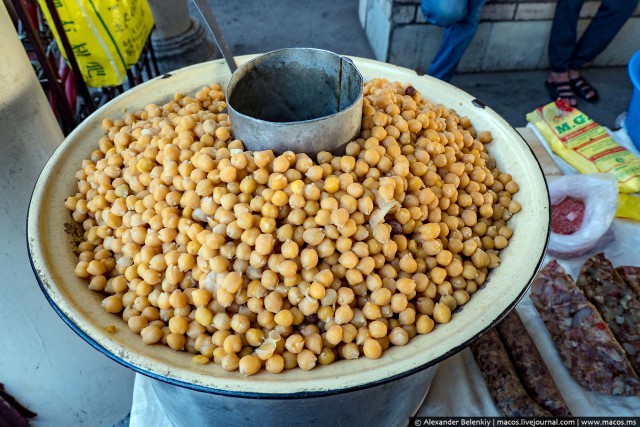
(106,36)
(586,145)
(599,192)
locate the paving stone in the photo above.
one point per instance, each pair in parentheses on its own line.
(331,24)
(535,11)
(543,62)
(473,58)
(498,12)
(414,46)
(404,14)
(515,45)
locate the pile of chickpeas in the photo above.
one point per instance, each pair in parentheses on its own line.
(257,260)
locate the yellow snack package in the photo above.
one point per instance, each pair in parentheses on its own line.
(106,36)
(586,145)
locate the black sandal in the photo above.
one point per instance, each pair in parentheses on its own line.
(583,89)
(561,90)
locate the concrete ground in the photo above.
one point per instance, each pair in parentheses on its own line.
(253,26)
(513,94)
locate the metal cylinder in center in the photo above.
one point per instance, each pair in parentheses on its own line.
(298,99)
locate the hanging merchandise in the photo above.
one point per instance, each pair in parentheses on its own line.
(107,36)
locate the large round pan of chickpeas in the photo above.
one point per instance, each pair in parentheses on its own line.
(174,251)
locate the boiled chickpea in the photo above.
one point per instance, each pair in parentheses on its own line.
(189,235)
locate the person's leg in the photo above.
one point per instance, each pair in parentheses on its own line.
(562,42)
(564,30)
(443,12)
(610,18)
(461,20)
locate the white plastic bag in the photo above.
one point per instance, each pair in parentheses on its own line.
(599,192)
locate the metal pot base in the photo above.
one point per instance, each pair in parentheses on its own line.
(383,405)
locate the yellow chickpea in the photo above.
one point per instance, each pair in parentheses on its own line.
(441,313)
(372,348)
(249,365)
(424,324)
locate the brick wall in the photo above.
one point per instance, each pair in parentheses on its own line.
(513,35)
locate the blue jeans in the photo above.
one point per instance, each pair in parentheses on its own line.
(460,19)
